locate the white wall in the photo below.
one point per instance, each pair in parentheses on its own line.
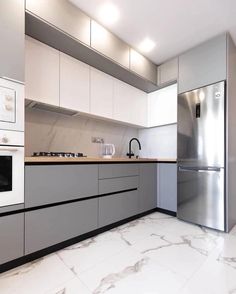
(159,142)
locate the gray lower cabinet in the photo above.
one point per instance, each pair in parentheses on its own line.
(118,184)
(117,207)
(54,183)
(147,186)
(12,237)
(107,171)
(167,186)
(49,226)
(203,65)
(12,35)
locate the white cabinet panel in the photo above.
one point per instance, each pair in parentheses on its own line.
(41,72)
(167,72)
(130,104)
(162,106)
(101,99)
(74,84)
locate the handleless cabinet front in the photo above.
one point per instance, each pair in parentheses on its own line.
(49,226)
(41,72)
(108,171)
(203,65)
(167,72)
(63,15)
(45,184)
(12,35)
(12,237)
(147,186)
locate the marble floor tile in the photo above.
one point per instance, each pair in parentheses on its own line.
(74,286)
(156,254)
(130,272)
(86,254)
(35,277)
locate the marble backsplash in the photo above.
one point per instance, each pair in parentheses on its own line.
(48,131)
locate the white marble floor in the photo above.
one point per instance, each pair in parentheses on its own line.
(156,254)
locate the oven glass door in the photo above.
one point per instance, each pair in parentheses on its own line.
(5,173)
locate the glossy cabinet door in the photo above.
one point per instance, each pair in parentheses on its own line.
(109,45)
(101,93)
(74,84)
(142,66)
(167,72)
(52,225)
(12,35)
(162,106)
(130,104)
(41,72)
(147,186)
(203,65)
(167,186)
(12,237)
(63,15)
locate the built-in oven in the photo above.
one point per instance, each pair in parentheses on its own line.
(11,168)
(11,105)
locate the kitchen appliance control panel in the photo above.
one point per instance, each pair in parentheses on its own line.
(7,105)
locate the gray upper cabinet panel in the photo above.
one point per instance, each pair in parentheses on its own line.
(12,237)
(56,183)
(167,72)
(107,171)
(142,66)
(63,15)
(12,35)
(203,65)
(109,45)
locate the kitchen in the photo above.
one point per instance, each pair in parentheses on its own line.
(117,160)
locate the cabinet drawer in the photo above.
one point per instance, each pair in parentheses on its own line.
(116,207)
(118,184)
(49,226)
(55,183)
(12,237)
(107,171)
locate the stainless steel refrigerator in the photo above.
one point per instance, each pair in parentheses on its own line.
(201,156)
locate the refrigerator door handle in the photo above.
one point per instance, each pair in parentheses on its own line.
(200,169)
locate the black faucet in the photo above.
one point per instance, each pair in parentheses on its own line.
(130,153)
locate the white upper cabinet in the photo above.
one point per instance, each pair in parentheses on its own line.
(203,65)
(101,93)
(130,104)
(109,45)
(167,72)
(142,66)
(74,84)
(63,15)
(41,72)
(162,106)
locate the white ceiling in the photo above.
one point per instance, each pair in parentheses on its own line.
(175,25)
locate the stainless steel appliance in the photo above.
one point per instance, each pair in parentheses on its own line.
(11,167)
(201,156)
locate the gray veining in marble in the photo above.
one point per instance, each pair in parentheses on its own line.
(110,281)
(48,131)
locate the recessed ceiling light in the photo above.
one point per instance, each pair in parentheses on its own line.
(146,45)
(108,13)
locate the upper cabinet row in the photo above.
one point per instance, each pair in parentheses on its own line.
(68,18)
(57,79)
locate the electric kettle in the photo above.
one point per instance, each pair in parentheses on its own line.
(108,150)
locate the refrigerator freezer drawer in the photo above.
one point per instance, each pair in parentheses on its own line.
(201,198)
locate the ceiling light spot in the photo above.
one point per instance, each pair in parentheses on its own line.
(108,13)
(146,45)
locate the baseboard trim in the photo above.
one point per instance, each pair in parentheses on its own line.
(169,212)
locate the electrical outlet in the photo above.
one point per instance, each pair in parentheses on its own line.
(98,140)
